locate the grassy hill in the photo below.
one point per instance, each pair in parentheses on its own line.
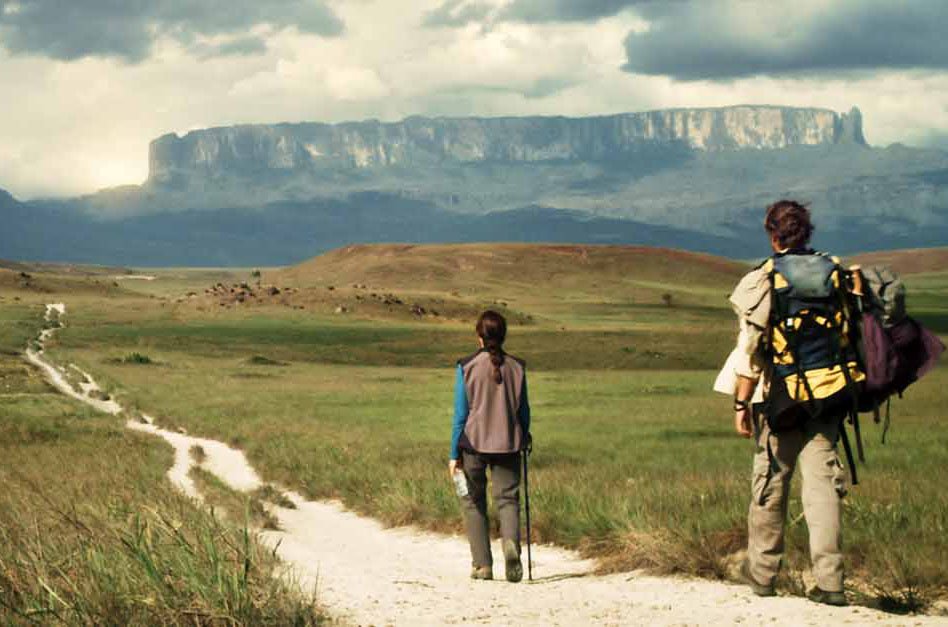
(910,261)
(559,284)
(531,269)
(20,283)
(63,268)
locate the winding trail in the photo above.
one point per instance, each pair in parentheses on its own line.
(370,575)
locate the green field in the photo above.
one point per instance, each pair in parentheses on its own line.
(635,460)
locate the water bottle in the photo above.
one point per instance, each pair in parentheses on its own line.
(460,483)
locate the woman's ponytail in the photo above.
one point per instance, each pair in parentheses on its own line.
(497,359)
(492,329)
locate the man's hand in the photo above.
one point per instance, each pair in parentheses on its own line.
(452,467)
(742,422)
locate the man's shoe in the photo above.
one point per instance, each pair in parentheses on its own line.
(827,598)
(514,569)
(759,589)
(485,573)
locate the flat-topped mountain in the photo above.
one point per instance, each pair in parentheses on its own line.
(419,141)
(632,165)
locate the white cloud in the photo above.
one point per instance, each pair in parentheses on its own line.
(69,128)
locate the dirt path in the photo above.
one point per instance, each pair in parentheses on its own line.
(370,575)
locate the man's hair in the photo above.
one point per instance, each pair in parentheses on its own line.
(789,223)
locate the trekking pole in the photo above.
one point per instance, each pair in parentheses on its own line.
(526,496)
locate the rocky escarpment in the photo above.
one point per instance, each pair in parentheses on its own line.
(254,149)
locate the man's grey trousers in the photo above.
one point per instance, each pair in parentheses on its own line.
(812,448)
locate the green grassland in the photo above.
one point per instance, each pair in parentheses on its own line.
(92,533)
(635,461)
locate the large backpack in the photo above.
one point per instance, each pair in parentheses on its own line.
(895,349)
(816,369)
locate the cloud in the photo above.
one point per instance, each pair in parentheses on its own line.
(67,30)
(539,11)
(240,46)
(75,127)
(725,39)
(728,39)
(456,13)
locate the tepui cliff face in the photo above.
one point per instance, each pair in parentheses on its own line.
(416,141)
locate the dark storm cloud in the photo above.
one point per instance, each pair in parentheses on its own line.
(456,13)
(461,12)
(126,29)
(720,40)
(537,11)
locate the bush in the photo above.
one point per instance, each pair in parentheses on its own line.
(137,358)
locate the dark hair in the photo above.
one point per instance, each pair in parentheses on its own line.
(789,223)
(492,329)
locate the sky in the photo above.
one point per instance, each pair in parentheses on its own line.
(86,84)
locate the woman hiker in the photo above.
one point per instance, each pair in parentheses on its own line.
(491,428)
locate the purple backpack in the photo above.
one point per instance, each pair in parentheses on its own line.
(895,356)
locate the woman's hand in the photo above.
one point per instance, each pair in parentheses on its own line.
(452,467)
(742,422)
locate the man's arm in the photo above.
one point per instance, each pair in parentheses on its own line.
(751,303)
(742,405)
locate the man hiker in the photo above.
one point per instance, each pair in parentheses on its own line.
(792,374)
(491,428)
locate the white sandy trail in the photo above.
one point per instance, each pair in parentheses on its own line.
(134,277)
(370,575)
(57,377)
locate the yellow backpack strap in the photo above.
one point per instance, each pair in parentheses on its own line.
(779,281)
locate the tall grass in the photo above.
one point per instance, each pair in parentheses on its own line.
(91,532)
(164,563)
(638,469)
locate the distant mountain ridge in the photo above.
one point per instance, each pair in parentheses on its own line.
(696,179)
(289,232)
(420,141)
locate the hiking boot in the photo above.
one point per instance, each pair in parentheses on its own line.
(759,589)
(485,573)
(827,598)
(512,565)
